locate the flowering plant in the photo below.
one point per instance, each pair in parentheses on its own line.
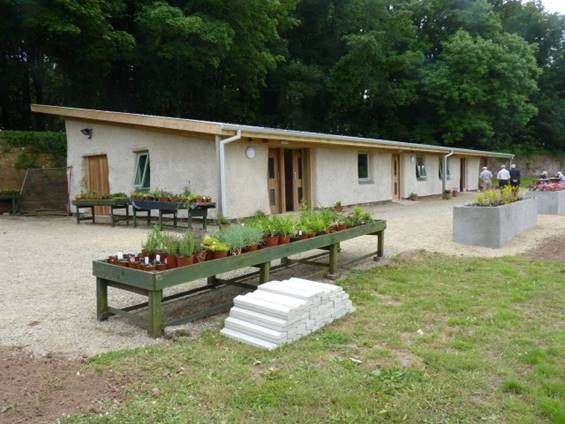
(549,187)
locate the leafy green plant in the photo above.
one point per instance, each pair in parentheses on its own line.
(186,245)
(234,236)
(222,220)
(9,191)
(170,244)
(497,197)
(360,217)
(153,241)
(283,225)
(253,236)
(212,244)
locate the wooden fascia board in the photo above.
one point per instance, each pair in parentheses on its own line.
(183,125)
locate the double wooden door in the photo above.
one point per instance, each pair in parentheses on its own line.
(96,179)
(396,176)
(286,179)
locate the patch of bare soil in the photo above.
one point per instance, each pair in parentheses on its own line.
(34,390)
(552,249)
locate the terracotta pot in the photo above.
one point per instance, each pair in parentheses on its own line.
(328,230)
(219,255)
(200,256)
(310,235)
(302,236)
(148,267)
(124,263)
(284,239)
(223,226)
(236,251)
(185,260)
(341,227)
(160,267)
(209,255)
(339,209)
(271,241)
(250,249)
(171,261)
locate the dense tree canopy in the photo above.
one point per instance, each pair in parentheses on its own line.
(471,73)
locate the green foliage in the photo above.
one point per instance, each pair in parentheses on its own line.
(186,245)
(170,244)
(283,225)
(33,144)
(212,244)
(9,191)
(234,236)
(153,241)
(497,197)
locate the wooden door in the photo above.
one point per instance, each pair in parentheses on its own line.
(395,176)
(96,177)
(297,178)
(463,175)
(274,180)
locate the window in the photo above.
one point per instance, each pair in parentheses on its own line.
(421,168)
(363,167)
(440,173)
(142,171)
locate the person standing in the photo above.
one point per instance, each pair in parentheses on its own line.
(486,178)
(503,177)
(514,177)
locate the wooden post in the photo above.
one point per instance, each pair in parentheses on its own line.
(155,329)
(101,299)
(381,244)
(332,268)
(265,271)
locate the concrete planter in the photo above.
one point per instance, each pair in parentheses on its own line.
(549,202)
(493,226)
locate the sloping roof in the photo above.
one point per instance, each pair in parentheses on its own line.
(226,129)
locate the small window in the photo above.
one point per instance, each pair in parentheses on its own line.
(421,174)
(440,173)
(363,166)
(142,171)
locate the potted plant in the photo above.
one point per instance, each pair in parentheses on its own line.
(233,236)
(338,207)
(360,217)
(270,232)
(446,194)
(284,227)
(253,238)
(186,250)
(413,196)
(454,193)
(341,222)
(170,245)
(216,247)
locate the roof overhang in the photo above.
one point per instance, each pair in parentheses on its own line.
(254,132)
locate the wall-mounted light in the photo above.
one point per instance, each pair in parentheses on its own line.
(250,152)
(87,132)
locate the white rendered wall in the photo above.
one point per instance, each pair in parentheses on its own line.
(177,161)
(334,177)
(473,170)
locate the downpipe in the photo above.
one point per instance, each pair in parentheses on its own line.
(223,196)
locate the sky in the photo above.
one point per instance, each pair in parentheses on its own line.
(555,5)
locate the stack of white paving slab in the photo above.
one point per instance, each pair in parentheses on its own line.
(280,312)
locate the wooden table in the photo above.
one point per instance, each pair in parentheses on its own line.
(13,199)
(152,284)
(114,204)
(171,209)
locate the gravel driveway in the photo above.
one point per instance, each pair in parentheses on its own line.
(48,295)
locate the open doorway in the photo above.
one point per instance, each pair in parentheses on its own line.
(286,180)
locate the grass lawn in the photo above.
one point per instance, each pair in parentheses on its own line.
(433,339)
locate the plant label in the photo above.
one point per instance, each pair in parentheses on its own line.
(146,259)
(157,258)
(120,256)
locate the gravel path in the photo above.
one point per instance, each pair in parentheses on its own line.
(48,296)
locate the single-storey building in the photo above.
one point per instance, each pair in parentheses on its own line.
(249,168)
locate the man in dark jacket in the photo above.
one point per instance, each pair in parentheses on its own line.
(514,177)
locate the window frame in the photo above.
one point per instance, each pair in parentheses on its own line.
(139,186)
(440,171)
(367,179)
(421,176)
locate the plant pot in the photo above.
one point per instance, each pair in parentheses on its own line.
(235,251)
(185,260)
(339,209)
(310,235)
(171,261)
(284,239)
(250,249)
(148,267)
(341,227)
(454,193)
(201,256)
(160,267)
(123,263)
(219,255)
(271,241)
(209,255)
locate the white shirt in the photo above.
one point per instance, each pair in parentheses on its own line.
(503,174)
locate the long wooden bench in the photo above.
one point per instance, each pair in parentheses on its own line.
(152,284)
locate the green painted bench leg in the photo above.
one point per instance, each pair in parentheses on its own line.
(381,244)
(160,219)
(112,216)
(78,215)
(205,219)
(134,218)
(212,280)
(101,300)
(93,214)
(175,219)
(155,328)
(264,274)
(127,216)
(332,267)
(149,217)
